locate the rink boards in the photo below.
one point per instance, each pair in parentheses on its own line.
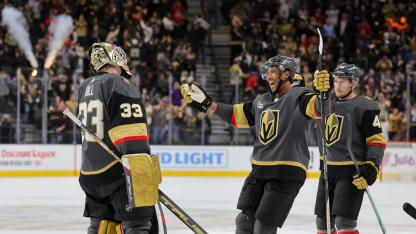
(65,160)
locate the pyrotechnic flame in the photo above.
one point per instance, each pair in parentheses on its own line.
(17,28)
(64,27)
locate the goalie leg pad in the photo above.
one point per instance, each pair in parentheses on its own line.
(103,226)
(141,180)
(156,168)
(244,223)
(346,224)
(141,226)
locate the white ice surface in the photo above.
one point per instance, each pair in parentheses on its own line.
(54,205)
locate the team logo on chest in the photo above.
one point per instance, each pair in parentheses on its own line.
(268,125)
(333,128)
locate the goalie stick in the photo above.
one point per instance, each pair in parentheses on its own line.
(175,209)
(410,210)
(367,190)
(323,145)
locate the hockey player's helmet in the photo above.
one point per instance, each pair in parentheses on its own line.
(349,71)
(104,53)
(298,80)
(282,62)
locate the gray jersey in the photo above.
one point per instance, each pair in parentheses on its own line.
(360,117)
(280,149)
(113,109)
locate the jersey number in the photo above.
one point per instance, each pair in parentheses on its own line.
(127,110)
(376,122)
(95,109)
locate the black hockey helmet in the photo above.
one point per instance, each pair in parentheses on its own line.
(298,80)
(349,71)
(283,63)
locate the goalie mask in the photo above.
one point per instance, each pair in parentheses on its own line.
(349,71)
(104,53)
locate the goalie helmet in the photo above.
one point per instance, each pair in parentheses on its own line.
(283,63)
(349,71)
(104,53)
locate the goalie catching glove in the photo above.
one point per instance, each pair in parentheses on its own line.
(196,96)
(368,175)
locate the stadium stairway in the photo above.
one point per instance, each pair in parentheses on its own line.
(217,63)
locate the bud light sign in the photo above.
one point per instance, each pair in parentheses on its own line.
(191,158)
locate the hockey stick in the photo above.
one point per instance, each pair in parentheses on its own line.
(178,212)
(410,210)
(324,149)
(162,220)
(367,190)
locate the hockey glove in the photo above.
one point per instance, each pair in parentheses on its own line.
(322,81)
(368,175)
(196,96)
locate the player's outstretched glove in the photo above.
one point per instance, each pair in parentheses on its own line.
(368,175)
(322,81)
(196,96)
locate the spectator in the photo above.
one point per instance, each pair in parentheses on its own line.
(395,122)
(236,76)
(32,92)
(384,105)
(412,119)
(6,129)
(384,63)
(160,122)
(81,26)
(5,83)
(197,39)
(191,136)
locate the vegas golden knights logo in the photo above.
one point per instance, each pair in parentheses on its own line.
(268,125)
(333,128)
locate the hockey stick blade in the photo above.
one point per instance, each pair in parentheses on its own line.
(410,210)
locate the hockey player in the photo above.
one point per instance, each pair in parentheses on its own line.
(111,107)
(368,144)
(280,154)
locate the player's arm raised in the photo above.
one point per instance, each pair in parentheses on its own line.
(308,102)
(240,115)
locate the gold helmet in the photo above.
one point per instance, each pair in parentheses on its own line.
(104,53)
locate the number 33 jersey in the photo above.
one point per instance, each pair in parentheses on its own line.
(115,112)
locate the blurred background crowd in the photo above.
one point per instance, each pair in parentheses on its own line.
(165,42)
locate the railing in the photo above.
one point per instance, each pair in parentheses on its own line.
(23,132)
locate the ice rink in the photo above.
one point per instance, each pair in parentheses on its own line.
(54,205)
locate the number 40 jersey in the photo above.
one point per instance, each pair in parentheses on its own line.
(114,110)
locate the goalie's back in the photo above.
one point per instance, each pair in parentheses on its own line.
(114,111)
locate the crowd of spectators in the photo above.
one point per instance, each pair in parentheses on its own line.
(164,42)
(378,36)
(161,40)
